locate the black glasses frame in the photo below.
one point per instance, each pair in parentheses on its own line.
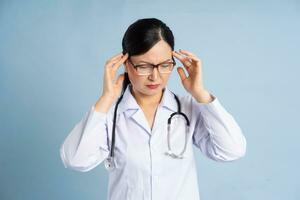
(153,66)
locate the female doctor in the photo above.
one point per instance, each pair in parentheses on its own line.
(143,132)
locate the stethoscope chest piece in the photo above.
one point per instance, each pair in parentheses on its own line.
(109,163)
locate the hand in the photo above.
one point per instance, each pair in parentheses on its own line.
(193,83)
(111,87)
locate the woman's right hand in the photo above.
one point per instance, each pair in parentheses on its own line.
(111,86)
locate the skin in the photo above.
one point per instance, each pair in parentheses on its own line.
(147,98)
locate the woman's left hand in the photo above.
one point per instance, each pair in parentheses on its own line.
(193,83)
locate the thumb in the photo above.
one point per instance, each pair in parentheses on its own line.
(181,73)
(120,79)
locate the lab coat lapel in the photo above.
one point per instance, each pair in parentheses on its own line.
(140,119)
(167,106)
(133,110)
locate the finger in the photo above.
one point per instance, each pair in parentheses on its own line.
(190,58)
(183,59)
(114,59)
(119,62)
(186,52)
(115,56)
(190,55)
(187,63)
(181,73)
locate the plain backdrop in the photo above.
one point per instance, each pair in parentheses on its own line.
(52,55)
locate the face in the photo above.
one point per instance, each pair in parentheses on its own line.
(159,53)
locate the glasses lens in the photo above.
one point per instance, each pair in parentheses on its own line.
(166,67)
(144,69)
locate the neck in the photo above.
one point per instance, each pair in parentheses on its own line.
(145,100)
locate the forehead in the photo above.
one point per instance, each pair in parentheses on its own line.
(160,52)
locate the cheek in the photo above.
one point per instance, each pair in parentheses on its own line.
(135,80)
(166,78)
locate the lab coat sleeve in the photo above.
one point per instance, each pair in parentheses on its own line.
(216,132)
(86,145)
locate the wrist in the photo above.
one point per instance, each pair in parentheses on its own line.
(203,96)
(103,104)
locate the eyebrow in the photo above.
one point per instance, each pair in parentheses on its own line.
(151,63)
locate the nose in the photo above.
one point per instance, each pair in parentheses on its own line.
(154,74)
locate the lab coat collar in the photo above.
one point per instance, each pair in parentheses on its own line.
(132,110)
(129,103)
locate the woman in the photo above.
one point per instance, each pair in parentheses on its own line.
(146,159)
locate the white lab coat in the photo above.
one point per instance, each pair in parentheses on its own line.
(143,171)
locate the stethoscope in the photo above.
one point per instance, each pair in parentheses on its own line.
(109,162)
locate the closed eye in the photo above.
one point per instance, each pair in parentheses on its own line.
(144,66)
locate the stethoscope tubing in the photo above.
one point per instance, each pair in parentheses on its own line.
(109,162)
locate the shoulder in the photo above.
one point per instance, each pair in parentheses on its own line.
(185,99)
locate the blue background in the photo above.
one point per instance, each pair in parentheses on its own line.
(52,55)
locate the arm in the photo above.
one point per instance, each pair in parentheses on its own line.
(216,133)
(86,145)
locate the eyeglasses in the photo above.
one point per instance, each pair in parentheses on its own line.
(147,68)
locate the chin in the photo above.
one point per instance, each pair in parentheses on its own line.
(149,92)
(153,91)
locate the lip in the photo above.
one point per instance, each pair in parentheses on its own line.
(153,86)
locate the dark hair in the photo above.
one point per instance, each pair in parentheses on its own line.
(141,36)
